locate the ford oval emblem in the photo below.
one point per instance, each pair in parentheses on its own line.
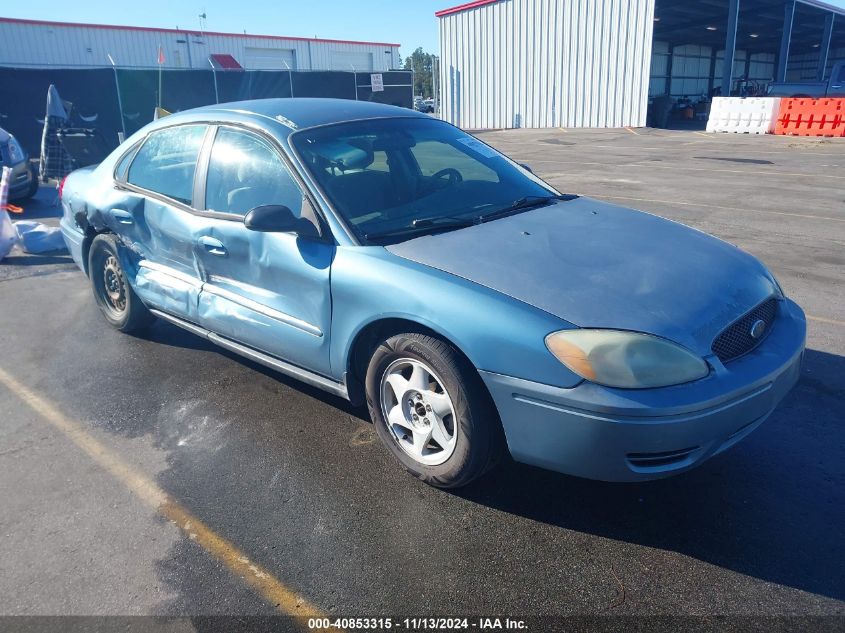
(757,329)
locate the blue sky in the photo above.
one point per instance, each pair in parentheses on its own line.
(410,23)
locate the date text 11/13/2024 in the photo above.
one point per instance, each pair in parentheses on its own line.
(418,624)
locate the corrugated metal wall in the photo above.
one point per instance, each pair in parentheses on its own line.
(547,63)
(50,45)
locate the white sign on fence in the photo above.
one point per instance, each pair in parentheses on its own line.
(377,82)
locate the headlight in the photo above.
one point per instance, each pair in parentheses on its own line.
(16,154)
(628,360)
(776,283)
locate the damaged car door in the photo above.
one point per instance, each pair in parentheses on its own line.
(158,219)
(267,287)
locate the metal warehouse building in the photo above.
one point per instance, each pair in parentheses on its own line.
(40,44)
(596,63)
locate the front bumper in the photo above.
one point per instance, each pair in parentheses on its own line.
(22,181)
(630,435)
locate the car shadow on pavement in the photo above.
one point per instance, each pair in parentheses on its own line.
(18,258)
(168,334)
(772,507)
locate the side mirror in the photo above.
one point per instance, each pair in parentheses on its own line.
(277,218)
(526,167)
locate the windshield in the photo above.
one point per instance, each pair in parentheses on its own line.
(385,175)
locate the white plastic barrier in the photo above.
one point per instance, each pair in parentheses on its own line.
(737,115)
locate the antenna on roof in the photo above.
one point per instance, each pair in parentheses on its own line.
(202,16)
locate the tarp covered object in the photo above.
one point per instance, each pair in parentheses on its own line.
(55,161)
(35,237)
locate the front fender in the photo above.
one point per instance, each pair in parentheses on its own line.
(497,333)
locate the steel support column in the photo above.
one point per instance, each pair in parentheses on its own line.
(824,47)
(786,39)
(730,48)
(711,78)
(670,66)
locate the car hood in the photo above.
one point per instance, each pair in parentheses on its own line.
(599,265)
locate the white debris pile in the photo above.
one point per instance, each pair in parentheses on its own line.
(33,237)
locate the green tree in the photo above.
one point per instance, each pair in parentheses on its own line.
(421,63)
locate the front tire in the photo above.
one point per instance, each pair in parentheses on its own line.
(432,411)
(117,301)
(33,188)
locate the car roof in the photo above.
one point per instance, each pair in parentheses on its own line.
(310,112)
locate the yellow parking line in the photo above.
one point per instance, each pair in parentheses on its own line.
(824,320)
(262,581)
(632,131)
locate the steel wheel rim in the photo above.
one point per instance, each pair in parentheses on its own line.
(418,411)
(113,287)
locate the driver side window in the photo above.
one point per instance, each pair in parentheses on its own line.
(435,156)
(245,172)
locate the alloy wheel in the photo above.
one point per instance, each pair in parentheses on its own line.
(418,411)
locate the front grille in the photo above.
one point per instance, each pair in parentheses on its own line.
(736,339)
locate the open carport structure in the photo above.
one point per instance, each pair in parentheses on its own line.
(596,63)
(762,40)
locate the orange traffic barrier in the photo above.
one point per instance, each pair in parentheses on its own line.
(811,117)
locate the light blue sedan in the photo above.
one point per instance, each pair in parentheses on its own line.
(390,258)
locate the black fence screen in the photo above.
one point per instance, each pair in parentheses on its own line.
(99,94)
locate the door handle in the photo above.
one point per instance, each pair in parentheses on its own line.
(122,217)
(213,246)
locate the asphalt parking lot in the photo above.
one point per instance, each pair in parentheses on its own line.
(296,481)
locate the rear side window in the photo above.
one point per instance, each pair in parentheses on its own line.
(245,172)
(123,165)
(167,161)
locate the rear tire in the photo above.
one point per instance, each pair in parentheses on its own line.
(432,411)
(117,301)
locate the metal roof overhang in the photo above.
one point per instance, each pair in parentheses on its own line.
(760,23)
(819,4)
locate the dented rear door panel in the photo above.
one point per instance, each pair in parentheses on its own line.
(167,277)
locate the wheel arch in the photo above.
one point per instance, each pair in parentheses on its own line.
(374,332)
(90,234)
